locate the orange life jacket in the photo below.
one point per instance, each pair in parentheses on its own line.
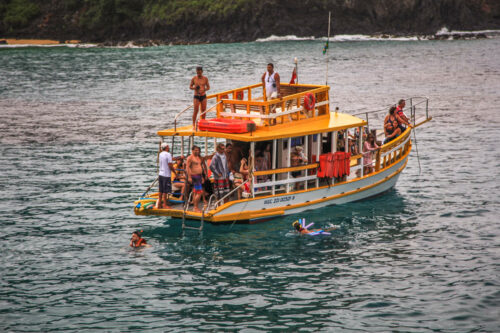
(323,165)
(140,242)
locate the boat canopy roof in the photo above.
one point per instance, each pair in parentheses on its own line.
(302,109)
(335,121)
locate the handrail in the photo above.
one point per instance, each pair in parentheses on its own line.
(290,169)
(426,99)
(231,192)
(150,186)
(210,201)
(178,114)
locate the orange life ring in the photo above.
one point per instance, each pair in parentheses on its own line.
(309,101)
(239,95)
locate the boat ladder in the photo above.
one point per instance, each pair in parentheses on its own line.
(184,225)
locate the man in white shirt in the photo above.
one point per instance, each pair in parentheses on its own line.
(271,82)
(165,181)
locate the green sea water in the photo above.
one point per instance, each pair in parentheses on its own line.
(78,146)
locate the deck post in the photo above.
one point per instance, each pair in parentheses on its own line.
(360,148)
(289,163)
(377,161)
(274,166)
(346,145)
(251,167)
(306,150)
(206,145)
(319,138)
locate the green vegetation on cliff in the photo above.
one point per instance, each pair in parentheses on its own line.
(235,20)
(18,13)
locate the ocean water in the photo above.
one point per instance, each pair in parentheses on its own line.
(78,145)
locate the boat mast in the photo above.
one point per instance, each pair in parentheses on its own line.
(326,48)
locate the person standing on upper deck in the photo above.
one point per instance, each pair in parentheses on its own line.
(200,85)
(271,80)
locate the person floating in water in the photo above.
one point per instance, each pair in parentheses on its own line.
(303,229)
(200,85)
(300,228)
(136,240)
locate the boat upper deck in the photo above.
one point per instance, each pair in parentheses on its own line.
(322,124)
(291,115)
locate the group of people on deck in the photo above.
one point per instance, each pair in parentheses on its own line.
(395,123)
(202,175)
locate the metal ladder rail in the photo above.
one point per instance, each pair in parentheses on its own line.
(184,226)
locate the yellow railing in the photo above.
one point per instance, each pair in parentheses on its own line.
(383,159)
(241,99)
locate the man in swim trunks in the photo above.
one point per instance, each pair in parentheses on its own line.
(200,85)
(195,175)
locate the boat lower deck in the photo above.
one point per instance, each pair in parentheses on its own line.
(264,207)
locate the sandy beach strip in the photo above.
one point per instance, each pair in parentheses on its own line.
(11,41)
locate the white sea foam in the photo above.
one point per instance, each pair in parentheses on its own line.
(381,37)
(363,38)
(274,38)
(338,38)
(445,31)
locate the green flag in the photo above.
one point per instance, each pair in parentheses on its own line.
(325,47)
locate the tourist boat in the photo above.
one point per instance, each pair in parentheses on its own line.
(301,117)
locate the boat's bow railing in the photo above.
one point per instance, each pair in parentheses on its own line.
(395,149)
(415,103)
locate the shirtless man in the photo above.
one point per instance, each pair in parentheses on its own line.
(195,175)
(199,84)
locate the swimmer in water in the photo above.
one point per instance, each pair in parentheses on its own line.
(298,226)
(136,240)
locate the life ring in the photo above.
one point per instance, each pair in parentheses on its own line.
(239,95)
(309,101)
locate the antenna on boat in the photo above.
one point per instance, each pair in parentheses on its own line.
(326,47)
